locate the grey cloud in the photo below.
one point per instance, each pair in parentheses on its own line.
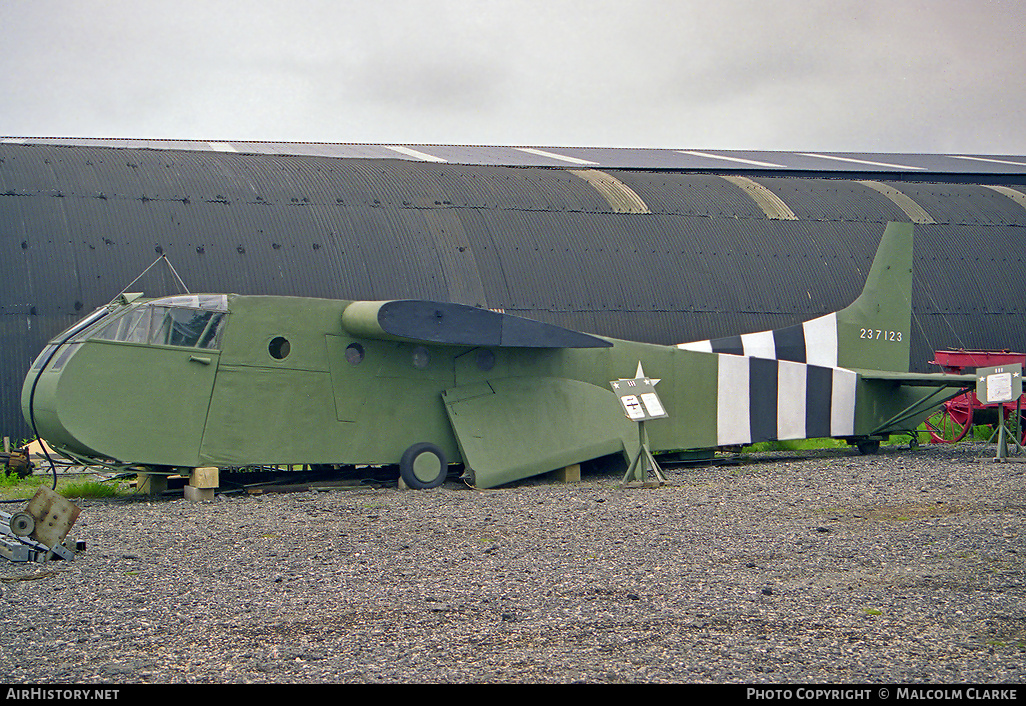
(904,75)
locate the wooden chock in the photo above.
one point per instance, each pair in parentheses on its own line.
(151,483)
(204,477)
(202,483)
(569,474)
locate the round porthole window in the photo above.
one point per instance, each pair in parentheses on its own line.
(354,353)
(485,360)
(279,348)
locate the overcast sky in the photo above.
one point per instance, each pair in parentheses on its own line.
(841,75)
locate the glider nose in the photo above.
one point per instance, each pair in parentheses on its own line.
(41,403)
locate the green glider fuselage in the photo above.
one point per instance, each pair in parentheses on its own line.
(232,380)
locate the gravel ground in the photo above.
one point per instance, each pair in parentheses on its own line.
(820,567)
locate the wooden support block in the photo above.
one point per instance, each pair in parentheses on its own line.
(570,474)
(196,494)
(204,477)
(151,483)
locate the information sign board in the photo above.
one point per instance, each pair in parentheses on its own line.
(1000,383)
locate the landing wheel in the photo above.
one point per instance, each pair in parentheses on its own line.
(868,447)
(951,423)
(423,466)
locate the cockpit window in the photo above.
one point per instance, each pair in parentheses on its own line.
(167,322)
(82,324)
(210,302)
(192,328)
(43,357)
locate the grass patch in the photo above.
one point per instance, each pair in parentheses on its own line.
(12,487)
(90,489)
(977,433)
(795,445)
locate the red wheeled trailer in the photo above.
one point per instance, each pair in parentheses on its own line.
(959,414)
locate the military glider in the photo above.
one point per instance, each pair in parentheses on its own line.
(229,380)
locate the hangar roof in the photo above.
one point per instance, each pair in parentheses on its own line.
(583,157)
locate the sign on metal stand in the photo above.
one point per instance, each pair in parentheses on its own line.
(998,385)
(640,403)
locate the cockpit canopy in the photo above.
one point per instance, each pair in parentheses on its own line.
(187,321)
(190,321)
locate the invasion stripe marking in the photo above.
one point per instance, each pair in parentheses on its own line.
(842,403)
(700,346)
(818,400)
(759,345)
(791,400)
(731,345)
(732,408)
(813,342)
(760,399)
(821,341)
(789,344)
(762,387)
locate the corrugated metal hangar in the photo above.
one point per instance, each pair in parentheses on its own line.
(664,246)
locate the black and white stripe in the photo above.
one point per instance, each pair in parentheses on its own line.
(782,384)
(813,342)
(759,399)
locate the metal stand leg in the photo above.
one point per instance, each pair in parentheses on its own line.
(643,461)
(1003,432)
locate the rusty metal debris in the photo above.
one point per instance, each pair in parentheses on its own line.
(16,462)
(40,531)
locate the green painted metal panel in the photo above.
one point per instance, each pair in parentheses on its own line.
(874,332)
(515,428)
(159,397)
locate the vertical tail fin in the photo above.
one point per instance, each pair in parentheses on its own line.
(870,334)
(873,332)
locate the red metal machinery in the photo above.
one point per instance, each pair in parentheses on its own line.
(959,414)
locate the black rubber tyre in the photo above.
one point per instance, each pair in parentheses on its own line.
(868,447)
(423,466)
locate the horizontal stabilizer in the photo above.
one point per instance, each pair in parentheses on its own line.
(458,324)
(919,379)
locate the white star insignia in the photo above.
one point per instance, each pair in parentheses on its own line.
(640,375)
